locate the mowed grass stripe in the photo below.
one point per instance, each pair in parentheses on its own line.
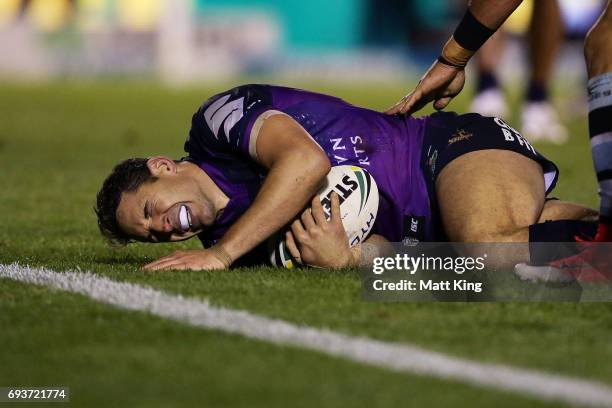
(393,356)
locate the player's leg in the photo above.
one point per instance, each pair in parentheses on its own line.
(592,261)
(490,196)
(498,196)
(540,120)
(598,55)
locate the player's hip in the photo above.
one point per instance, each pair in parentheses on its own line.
(449,136)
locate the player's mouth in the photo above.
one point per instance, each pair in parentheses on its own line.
(185,219)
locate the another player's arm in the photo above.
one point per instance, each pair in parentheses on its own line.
(464,43)
(296,167)
(446,77)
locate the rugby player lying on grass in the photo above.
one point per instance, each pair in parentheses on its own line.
(257,155)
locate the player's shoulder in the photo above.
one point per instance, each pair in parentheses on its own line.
(243,95)
(223,121)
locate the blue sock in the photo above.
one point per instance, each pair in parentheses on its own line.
(486,80)
(536,92)
(600,131)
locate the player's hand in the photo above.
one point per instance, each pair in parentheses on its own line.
(195,260)
(315,241)
(440,84)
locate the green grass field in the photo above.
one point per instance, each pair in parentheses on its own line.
(58,142)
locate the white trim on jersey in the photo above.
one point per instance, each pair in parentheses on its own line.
(220,112)
(257,127)
(259,124)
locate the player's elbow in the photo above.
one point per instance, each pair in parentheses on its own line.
(320,164)
(313,165)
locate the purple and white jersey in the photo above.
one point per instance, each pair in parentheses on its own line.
(222,143)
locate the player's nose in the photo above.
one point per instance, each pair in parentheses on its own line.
(162,224)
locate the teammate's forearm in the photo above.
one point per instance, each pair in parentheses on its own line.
(288,187)
(485,17)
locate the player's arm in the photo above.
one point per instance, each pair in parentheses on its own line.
(296,167)
(446,77)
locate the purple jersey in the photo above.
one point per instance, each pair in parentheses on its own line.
(389,147)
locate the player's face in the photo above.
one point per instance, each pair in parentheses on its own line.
(171,208)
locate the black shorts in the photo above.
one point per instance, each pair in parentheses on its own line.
(449,135)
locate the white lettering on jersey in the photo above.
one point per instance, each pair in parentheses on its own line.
(339,159)
(220,111)
(356,139)
(507,135)
(336,143)
(511,135)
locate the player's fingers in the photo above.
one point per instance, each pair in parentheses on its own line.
(413,99)
(180,266)
(298,230)
(442,103)
(416,104)
(292,247)
(335,208)
(405,103)
(307,219)
(169,264)
(317,211)
(159,261)
(173,255)
(397,106)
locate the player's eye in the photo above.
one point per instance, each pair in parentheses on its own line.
(146,210)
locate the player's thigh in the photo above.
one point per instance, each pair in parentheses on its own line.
(490,196)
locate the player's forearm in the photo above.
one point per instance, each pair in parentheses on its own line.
(288,187)
(493,13)
(373,247)
(484,18)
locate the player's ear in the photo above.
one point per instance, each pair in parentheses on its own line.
(159,165)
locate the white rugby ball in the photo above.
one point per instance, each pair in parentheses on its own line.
(358,195)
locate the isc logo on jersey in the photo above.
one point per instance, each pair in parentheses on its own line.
(358,195)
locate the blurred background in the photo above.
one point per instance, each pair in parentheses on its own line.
(182,41)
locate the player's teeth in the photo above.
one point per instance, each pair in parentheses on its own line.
(183,218)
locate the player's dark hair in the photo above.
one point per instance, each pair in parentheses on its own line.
(126,176)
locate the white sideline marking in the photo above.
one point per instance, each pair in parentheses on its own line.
(393,356)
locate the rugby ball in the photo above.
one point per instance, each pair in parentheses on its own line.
(358,195)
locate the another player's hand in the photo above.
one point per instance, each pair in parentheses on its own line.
(440,84)
(196,260)
(315,241)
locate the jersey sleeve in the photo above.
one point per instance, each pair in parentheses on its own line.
(224,123)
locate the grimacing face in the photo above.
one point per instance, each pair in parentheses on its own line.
(172,207)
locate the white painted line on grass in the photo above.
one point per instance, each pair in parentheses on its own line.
(393,356)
